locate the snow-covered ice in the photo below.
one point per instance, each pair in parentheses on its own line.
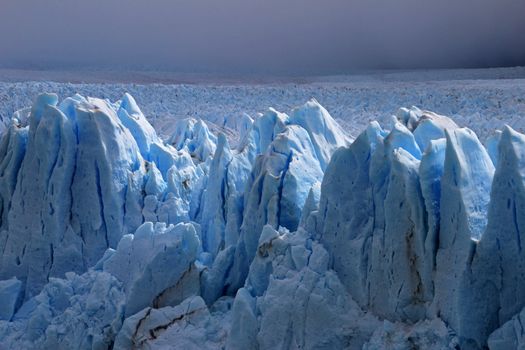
(483,100)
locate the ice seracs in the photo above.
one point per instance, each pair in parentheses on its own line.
(275,166)
(293,300)
(74,183)
(194,136)
(155,265)
(496,269)
(283,175)
(465,196)
(292,236)
(326,135)
(384,208)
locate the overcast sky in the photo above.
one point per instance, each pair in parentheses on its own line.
(290,36)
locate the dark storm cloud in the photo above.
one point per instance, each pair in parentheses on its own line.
(316,36)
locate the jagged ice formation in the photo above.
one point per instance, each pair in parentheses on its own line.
(294,237)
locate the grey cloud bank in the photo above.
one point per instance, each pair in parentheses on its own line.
(254,36)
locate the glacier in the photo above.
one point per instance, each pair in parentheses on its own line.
(290,235)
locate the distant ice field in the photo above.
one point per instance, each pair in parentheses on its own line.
(481,99)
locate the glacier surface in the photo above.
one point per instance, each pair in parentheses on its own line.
(293,236)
